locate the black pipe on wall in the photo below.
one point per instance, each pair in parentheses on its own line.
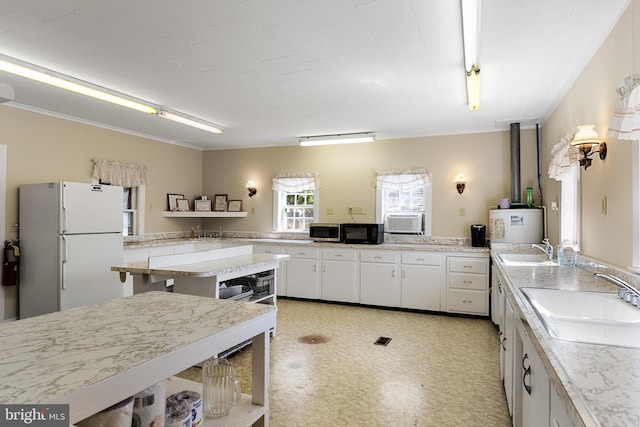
(515,164)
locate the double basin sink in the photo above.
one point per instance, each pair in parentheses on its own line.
(580,316)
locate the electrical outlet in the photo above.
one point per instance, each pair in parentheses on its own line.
(357,210)
(462,211)
(329,211)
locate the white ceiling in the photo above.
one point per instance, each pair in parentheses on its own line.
(270,71)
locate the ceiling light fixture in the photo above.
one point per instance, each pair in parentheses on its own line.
(586,140)
(52,78)
(471,27)
(344,138)
(191,121)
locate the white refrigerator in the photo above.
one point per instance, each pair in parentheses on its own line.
(70,236)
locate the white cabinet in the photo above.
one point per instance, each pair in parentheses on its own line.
(534,387)
(339,275)
(507,352)
(558,416)
(468,285)
(281,273)
(379,278)
(420,281)
(302,275)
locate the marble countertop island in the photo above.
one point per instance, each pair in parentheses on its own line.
(600,384)
(93,357)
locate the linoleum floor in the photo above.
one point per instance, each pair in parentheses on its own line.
(437,370)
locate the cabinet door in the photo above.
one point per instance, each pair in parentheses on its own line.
(302,278)
(379,284)
(508,348)
(535,387)
(339,281)
(421,287)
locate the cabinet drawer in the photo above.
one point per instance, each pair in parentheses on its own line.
(476,282)
(339,254)
(378,256)
(422,258)
(467,301)
(266,249)
(468,265)
(308,253)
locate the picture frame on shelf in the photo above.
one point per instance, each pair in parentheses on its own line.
(220,204)
(172,201)
(234,206)
(202,205)
(183,205)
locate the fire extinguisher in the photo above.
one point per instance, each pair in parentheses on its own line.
(11,263)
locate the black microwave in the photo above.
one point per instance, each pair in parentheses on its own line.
(365,234)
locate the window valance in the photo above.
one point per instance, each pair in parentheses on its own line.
(563,156)
(625,122)
(296,182)
(404,180)
(120,173)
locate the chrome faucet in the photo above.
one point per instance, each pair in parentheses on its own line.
(548,248)
(626,292)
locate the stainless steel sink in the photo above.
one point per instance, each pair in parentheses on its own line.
(525,259)
(587,317)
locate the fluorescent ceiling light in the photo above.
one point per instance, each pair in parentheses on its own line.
(65,82)
(345,138)
(191,121)
(471,27)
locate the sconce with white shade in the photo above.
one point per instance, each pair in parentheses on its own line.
(587,141)
(461,182)
(343,138)
(251,187)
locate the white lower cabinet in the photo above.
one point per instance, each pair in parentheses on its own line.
(468,284)
(302,275)
(379,278)
(558,416)
(339,276)
(534,387)
(508,347)
(420,281)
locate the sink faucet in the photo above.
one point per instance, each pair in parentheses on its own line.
(548,248)
(626,292)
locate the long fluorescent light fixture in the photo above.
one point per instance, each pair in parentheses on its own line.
(191,121)
(64,82)
(344,138)
(471,27)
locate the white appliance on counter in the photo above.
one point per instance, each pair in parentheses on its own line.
(516,225)
(70,236)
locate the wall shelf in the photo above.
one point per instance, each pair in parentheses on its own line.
(212,214)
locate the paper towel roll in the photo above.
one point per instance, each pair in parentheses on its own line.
(149,406)
(193,400)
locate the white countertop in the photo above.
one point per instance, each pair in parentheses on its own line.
(601,382)
(92,357)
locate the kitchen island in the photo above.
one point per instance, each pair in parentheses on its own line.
(95,356)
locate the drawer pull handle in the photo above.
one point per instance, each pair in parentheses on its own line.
(393,273)
(467,266)
(302,253)
(527,373)
(419,259)
(466,301)
(338,255)
(467,281)
(377,257)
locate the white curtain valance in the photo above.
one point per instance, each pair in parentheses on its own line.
(296,182)
(404,180)
(120,173)
(625,122)
(563,156)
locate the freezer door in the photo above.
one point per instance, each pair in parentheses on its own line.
(87,208)
(85,269)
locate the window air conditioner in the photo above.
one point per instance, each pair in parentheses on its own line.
(404,223)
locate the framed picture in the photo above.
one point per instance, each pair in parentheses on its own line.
(220,204)
(172,201)
(202,205)
(234,206)
(183,205)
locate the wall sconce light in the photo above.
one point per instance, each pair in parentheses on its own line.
(586,140)
(251,187)
(461,182)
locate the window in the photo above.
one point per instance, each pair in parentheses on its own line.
(404,192)
(295,202)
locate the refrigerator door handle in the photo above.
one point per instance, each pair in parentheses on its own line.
(63,226)
(63,259)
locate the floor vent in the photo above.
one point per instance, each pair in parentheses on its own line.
(382,341)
